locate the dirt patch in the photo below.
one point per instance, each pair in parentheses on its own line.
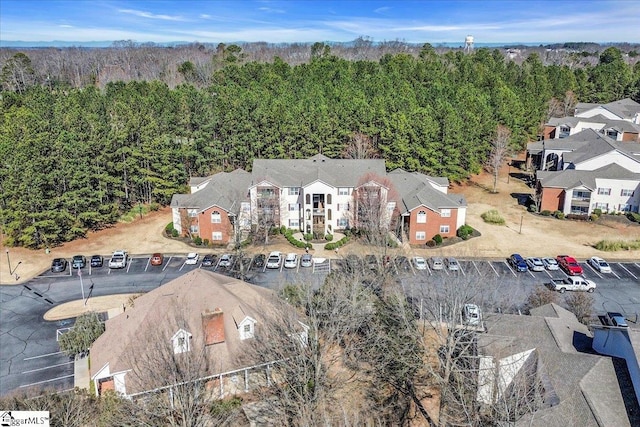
(526,233)
(73,309)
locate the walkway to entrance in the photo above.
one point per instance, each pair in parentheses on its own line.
(317,249)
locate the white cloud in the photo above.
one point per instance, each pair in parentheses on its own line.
(150,15)
(381,9)
(270,10)
(205,16)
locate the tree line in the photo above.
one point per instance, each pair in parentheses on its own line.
(74,158)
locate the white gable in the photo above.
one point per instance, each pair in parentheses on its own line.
(181,341)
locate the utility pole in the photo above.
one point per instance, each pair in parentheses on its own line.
(81,285)
(521,218)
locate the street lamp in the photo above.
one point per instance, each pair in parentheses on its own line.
(11,271)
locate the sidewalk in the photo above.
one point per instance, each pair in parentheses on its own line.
(81,375)
(317,249)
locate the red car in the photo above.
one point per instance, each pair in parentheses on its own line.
(156,259)
(569,265)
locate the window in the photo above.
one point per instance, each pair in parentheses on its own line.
(421,235)
(343,206)
(343,222)
(602,206)
(308,199)
(247,327)
(294,223)
(328,199)
(584,195)
(343,191)
(445,213)
(216,235)
(391,206)
(626,193)
(422,217)
(245,206)
(293,207)
(329,214)
(192,213)
(444,229)
(193,228)
(215,217)
(294,191)
(604,191)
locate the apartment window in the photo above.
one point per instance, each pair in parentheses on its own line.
(192,213)
(308,197)
(193,228)
(245,206)
(293,207)
(391,206)
(445,213)
(343,222)
(343,206)
(215,217)
(329,214)
(328,199)
(247,328)
(421,235)
(577,194)
(294,223)
(602,206)
(422,217)
(343,191)
(604,191)
(626,193)
(216,235)
(444,229)
(294,191)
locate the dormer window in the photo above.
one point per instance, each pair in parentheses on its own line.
(247,328)
(181,341)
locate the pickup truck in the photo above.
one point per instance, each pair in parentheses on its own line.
(118,259)
(569,265)
(572,284)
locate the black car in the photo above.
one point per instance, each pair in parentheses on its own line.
(96,261)
(371,262)
(78,261)
(208,260)
(58,265)
(259,260)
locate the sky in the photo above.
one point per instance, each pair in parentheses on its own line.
(421,21)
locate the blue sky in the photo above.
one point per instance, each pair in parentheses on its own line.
(309,21)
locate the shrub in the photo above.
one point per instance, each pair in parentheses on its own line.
(431,243)
(633,217)
(492,217)
(617,245)
(197,240)
(169,228)
(577,217)
(545,213)
(592,217)
(559,214)
(154,206)
(308,236)
(328,237)
(597,212)
(333,245)
(532,208)
(174,233)
(391,242)
(438,239)
(465,232)
(283,229)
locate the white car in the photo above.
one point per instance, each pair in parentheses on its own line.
(452,264)
(225,261)
(274,260)
(291,261)
(437,263)
(471,314)
(306,260)
(420,263)
(550,263)
(192,258)
(535,264)
(599,264)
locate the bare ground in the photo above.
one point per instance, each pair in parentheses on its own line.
(524,233)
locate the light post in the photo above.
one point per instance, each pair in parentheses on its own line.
(81,285)
(11,271)
(521,218)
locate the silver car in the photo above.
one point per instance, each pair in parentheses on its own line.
(306,260)
(535,264)
(550,263)
(452,264)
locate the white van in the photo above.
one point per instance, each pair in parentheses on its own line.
(471,314)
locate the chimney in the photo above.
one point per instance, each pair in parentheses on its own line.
(213,326)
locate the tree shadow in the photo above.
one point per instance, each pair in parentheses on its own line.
(524,199)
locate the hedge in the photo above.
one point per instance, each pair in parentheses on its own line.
(465,232)
(288,233)
(334,245)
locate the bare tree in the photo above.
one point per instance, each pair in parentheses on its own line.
(360,146)
(499,152)
(268,206)
(580,304)
(540,296)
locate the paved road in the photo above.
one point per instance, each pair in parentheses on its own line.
(29,353)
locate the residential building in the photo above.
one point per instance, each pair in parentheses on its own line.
(624,109)
(545,363)
(317,195)
(198,314)
(618,130)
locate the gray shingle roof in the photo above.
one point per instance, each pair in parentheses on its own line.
(223,189)
(301,172)
(619,125)
(570,143)
(626,108)
(574,378)
(415,189)
(572,178)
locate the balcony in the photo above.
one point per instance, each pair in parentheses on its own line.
(580,202)
(318,211)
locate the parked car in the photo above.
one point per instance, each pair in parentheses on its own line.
(119,259)
(306,260)
(569,265)
(371,262)
(96,261)
(471,314)
(550,263)
(452,264)
(420,263)
(78,261)
(616,319)
(518,263)
(535,264)
(572,283)
(58,265)
(157,259)
(291,260)
(402,263)
(599,264)
(259,260)
(192,258)
(437,263)
(209,260)
(225,261)
(274,260)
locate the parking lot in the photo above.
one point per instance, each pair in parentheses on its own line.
(30,355)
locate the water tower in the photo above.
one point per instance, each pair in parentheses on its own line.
(468,44)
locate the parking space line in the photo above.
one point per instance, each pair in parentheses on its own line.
(147,266)
(625,269)
(531,273)
(475,266)
(167,264)
(47,381)
(593,269)
(48,367)
(129,264)
(428,268)
(461,269)
(43,355)
(512,272)
(493,268)
(548,274)
(182,266)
